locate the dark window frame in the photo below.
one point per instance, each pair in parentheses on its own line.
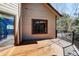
(39,20)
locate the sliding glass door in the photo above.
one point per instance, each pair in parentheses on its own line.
(6,30)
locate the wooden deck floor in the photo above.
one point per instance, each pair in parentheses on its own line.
(35,48)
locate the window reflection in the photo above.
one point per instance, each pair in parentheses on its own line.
(6,26)
(39,26)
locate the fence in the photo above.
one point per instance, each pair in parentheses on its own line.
(72,37)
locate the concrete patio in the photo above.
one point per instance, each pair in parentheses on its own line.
(49,47)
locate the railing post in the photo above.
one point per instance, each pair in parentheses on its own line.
(56,34)
(73,37)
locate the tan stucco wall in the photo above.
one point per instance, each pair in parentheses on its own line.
(36,11)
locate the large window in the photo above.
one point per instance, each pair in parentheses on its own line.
(39,26)
(6,25)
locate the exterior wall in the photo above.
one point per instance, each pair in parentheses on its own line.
(12,8)
(8,8)
(36,11)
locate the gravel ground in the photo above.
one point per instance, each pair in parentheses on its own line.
(70,51)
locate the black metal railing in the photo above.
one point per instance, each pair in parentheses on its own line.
(72,37)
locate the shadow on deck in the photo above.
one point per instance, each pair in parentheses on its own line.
(28,42)
(25,42)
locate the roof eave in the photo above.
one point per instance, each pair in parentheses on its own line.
(54,9)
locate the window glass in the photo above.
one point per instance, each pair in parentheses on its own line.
(39,26)
(6,26)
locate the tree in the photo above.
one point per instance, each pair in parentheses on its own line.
(65,23)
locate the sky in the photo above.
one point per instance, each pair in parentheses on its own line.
(69,8)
